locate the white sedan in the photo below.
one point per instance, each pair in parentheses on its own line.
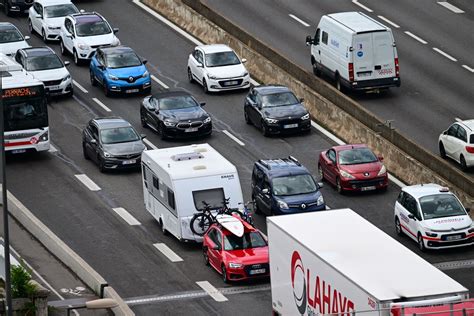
(45,17)
(217,68)
(457,143)
(433,217)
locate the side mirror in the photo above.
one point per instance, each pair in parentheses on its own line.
(67,63)
(93,141)
(244,60)
(101,67)
(27,37)
(411,216)
(82,11)
(216,247)
(330,163)
(142,136)
(144,61)
(468,209)
(265,191)
(320,184)
(445,132)
(39,16)
(202,103)
(309,40)
(157,111)
(380,158)
(301,100)
(199,65)
(69,35)
(116,29)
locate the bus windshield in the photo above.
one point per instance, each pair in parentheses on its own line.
(25,113)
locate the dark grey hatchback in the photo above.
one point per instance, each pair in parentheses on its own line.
(112,143)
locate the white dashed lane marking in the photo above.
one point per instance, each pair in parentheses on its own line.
(126,216)
(450,7)
(212,291)
(468,68)
(102,105)
(235,139)
(362,6)
(297,19)
(170,254)
(87,182)
(444,54)
(388,21)
(161,83)
(419,39)
(78,85)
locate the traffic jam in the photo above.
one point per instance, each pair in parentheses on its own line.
(194,193)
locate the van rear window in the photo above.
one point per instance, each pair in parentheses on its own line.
(213,197)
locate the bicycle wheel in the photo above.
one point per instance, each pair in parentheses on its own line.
(200,223)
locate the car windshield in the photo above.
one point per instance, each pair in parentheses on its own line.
(441,205)
(278,99)
(93,28)
(292,185)
(356,156)
(122,60)
(222,59)
(118,135)
(10,35)
(248,240)
(60,10)
(177,102)
(43,62)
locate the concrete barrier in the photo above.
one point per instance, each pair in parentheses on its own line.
(343,116)
(122,309)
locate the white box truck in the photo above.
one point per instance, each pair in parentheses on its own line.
(356,51)
(177,180)
(336,262)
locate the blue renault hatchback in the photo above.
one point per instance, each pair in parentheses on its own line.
(119,70)
(284,186)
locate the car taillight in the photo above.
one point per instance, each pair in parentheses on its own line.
(351,71)
(470,149)
(397,67)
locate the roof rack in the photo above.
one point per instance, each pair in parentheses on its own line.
(294,160)
(266,165)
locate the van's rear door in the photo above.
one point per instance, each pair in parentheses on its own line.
(374,56)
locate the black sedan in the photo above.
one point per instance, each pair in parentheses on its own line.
(112,143)
(175,114)
(275,109)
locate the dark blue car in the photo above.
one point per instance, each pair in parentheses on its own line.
(119,70)
(284,186)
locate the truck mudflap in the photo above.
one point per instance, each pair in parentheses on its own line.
(435,307)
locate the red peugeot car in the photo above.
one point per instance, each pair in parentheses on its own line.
(353,168)
(236,258)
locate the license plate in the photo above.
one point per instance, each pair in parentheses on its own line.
(129,162)
(290,125)
(131,90)
(53,87)
(257,271)
(453,237)
(364,74)
(18,151)
(190,130)
(231,83)
(370,188)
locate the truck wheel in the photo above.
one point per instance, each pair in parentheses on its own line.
(421,243)
(398,227)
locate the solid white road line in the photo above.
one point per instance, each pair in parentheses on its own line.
(212,291)
(444,54)
(149,144)
(87,182)
(78,85)
(102,105)
(362,6)
(388,21)
(294,17)
(332,137)
(161,83)
(168,23)
(419,39)
(451,7)
(468,68)
(126,216)
(238,141)
(52,149)
(170,254)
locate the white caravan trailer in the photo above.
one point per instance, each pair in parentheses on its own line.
(176,180)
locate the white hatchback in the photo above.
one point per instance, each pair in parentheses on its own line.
(433,217)
(11,39)
(457,143)
(46,17)
(217,68)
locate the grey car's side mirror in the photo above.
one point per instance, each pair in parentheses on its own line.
(320,184)
(142,136)
(116,29)
(202,103)
(27,37)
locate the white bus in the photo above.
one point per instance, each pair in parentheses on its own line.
(25,109)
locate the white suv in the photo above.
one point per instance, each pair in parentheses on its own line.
(46,17)
(457,142)
(82,33)
(433,217)
(217,67)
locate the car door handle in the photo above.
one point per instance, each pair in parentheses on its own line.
(319,52)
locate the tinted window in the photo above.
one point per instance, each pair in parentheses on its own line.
(10,35)
(279,99)
(43,62)
(222,59)
(331,154)
(325,38)
(177,102)
(213,197)
(291,185)
(171,201)
(156,183)
(453,130)
(248,240)
(56,11)
(92,28)
(118,135)
(440,205)
(128,59)
(461,134)
(356,156)
(410,204)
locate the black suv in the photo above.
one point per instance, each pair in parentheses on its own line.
(284,186)
(17,6)
(112,143)
(275,109)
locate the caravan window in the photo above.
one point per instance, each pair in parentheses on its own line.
(214,197)
(156,183)
(325,38)
(171,201)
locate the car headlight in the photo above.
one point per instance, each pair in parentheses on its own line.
(107,155)
(44,137)
(207,120)
(245,74)
(430,234)
(382,171)
(235,265)
(471,230)
(305,117)
(320,201)
(112,77)
(82,46)
(67,77)
(145,74)
(211,76)
(271,121)
(346,174)
(169,123)
(282,205)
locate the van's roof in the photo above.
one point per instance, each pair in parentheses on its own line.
(204,161)
(358,22)
(374,261)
